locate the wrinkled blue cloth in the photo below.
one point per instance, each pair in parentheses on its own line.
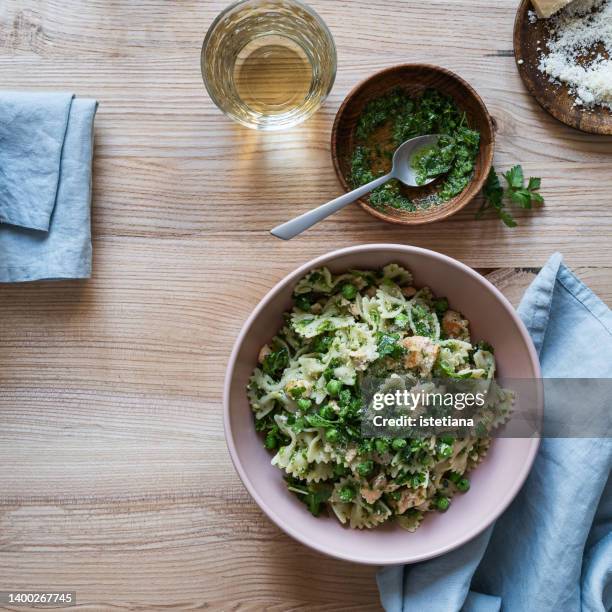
(551,551)
(46,148)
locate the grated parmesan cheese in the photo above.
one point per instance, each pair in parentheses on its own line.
(572,56)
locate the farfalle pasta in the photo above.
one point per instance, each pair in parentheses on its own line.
(307,400)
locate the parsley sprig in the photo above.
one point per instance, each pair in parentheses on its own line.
(496,198)
(314,495)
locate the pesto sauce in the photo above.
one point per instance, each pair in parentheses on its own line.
(396,117)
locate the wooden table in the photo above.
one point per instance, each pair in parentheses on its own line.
(115,480)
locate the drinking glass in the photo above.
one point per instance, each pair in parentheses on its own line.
(268,64)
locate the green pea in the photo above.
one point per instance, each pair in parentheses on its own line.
(304,403)
(463,485)
(443,504)
(349,291)
(381,446)
(346,494)
(398,444)
(333,387)
(332,435)
(365,468)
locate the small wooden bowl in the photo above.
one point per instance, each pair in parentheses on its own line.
(555,99)
(414,79)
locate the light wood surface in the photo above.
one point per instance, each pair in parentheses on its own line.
(114,476)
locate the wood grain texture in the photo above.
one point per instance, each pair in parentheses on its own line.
(114,476)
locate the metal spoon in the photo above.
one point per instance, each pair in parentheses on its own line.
(402,170)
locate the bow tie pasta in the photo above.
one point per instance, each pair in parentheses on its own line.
(307,401)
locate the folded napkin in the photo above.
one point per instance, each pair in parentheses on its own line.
(551,551)
(46,147)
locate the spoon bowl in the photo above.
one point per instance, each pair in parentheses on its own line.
(403,156)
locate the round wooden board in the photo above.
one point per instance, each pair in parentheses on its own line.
(556,99)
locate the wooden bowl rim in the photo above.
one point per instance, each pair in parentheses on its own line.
(550,107)
(461,201)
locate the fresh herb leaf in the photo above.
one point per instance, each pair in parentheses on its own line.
(423,321)
(313,495)
(515,177)
(402,320)
(446,370)
(523,196)
(433,161)
(299,424)
(388,345)
(321,344)
(493,194)
(344,398)
(534,183)
(485,346)
(276,361)
(495,198)
(390,195)
(316,420)
(507,218)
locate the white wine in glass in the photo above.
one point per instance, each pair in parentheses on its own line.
(268,64)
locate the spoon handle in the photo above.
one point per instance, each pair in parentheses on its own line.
(296,226)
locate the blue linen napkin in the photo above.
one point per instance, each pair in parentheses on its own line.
(46,148)
(551,551)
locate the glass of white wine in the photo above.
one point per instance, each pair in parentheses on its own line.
(268,64)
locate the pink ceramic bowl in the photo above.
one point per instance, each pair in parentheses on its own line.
(494,483)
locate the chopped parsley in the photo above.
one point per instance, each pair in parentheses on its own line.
(396,117)
(314,495)
(388,345)
(275,362)
(423,321)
